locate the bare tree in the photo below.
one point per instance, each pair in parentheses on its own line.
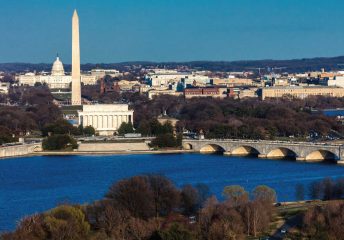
(165,194)
(189,199)
(134,195)
(315,190)
(265,194)
(300,192)
(235,194)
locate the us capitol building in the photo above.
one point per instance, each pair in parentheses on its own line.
(58,79)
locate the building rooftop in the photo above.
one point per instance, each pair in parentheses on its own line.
(299,87)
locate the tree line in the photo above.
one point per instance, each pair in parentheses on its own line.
(247,118)
(325,189)
(226,118)
(294,65)
(164,134)
(37,114)
(322,222)
(152,207)
(35,110)
(235,118)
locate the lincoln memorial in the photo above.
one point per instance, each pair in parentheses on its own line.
(105,118)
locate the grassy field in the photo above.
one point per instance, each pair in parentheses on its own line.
(289,217)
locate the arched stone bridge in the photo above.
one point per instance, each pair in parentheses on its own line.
(301,151)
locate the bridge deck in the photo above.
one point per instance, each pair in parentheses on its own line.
(303,151)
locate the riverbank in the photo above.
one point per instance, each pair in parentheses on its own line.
(94,153)
(134,152)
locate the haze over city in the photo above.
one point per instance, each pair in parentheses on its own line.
(33,31)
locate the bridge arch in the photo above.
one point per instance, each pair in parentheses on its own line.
(212,148)
(321,155)
(187,146)
(244,151)
(281,152)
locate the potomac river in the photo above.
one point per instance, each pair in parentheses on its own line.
(35,184)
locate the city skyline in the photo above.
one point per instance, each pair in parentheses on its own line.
(117,31)
(171,119)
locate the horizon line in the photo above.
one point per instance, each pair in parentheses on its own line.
(188,61)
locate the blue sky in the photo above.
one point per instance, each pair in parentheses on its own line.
(171,30)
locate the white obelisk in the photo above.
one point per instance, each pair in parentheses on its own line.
(76,78)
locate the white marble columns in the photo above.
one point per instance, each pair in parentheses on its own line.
(105,118)
(106,121)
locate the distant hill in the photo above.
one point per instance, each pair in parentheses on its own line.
(294,65)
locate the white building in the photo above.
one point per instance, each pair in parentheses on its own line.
(100,73)
(166,79)
(162,71)
(4,87)
(163,80)
(338,81)
(197,80)
(57,79)
(156,92)
(105,118)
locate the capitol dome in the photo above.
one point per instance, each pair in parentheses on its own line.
(57,69)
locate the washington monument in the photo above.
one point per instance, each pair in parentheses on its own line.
(76,85)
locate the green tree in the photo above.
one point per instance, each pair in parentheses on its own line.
(67,222)
(166,128)
(6,135)
(63,222)
(144,128)
(165,140)
(60,127)
(89,131)
(59,142)
(126,128)
(157,128)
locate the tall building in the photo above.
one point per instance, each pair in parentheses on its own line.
(104,118)
(76,79)
(300,92)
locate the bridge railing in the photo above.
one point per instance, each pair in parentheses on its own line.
(264,141)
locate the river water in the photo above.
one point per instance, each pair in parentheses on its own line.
(333,112)
(35,184)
